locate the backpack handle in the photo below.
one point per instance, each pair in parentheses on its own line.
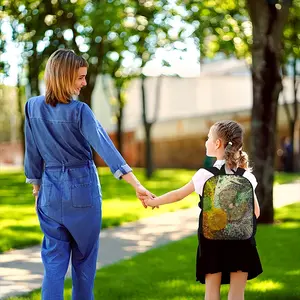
(222,171)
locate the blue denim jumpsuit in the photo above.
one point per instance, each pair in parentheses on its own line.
(58,157)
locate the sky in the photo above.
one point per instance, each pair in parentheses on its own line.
(12,52)
(184,64)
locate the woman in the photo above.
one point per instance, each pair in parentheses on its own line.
(59,133)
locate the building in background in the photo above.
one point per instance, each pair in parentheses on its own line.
(10,146)
(188,107)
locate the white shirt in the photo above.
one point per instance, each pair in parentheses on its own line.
(202,175)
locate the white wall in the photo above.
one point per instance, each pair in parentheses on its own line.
(101,103)
(182,99)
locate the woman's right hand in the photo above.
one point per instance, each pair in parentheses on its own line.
(36,200)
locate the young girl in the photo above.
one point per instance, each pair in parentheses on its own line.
(59,133)
(221,261)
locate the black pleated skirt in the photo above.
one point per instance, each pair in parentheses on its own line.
(214,256)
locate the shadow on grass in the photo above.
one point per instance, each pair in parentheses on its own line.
(25,228)
(116,221)
(282,178)
(168,272)
(285,220)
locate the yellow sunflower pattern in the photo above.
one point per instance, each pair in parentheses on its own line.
(227,208)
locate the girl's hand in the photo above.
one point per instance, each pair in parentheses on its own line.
(142,194)
(151,202)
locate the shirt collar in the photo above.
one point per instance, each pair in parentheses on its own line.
(219,163)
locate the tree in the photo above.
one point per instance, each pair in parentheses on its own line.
(4,66)
(251,30)
(95,30)
(117,100)
(290,59)
(114,65)
(148,123)
(220,27)
(268,20)
(85,26)
(103,25)
(151,26)
(21,103)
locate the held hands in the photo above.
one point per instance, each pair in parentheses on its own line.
(144,195)
(151,202)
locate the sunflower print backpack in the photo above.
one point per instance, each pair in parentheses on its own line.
(227,204)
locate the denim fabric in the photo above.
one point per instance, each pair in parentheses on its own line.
(63,135)
(69,211)
(59,158)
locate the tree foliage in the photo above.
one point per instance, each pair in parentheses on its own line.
(109,34)
(98,30)
(252,30)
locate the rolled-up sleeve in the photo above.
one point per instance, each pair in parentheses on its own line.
(97,137)
(33,162)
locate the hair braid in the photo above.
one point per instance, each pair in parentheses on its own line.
(231,134)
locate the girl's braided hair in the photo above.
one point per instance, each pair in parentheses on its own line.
(231,134)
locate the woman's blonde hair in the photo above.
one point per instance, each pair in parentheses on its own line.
(231,134)
(60,75)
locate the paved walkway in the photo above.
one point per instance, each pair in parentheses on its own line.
(22,271)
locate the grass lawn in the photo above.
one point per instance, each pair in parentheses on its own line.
(19,225)
(168,272)
(282,178)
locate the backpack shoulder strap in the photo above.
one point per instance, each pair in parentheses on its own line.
(217,171)
(240,171)
(212,170)
(222,171)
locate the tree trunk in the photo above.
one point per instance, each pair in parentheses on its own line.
(288,152)
(148,144)
(158,98)
(295,108)
(297,146)
(86,97)
(268,23)
(120,120)
(93,72)
(292,116)
(33,75)
(147,127)
(292,153)
(21,118)
(86,92)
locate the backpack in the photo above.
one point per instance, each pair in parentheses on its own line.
(227,206)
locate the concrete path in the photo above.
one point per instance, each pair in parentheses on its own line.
(21,271)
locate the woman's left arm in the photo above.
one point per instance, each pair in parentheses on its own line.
(33,162)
